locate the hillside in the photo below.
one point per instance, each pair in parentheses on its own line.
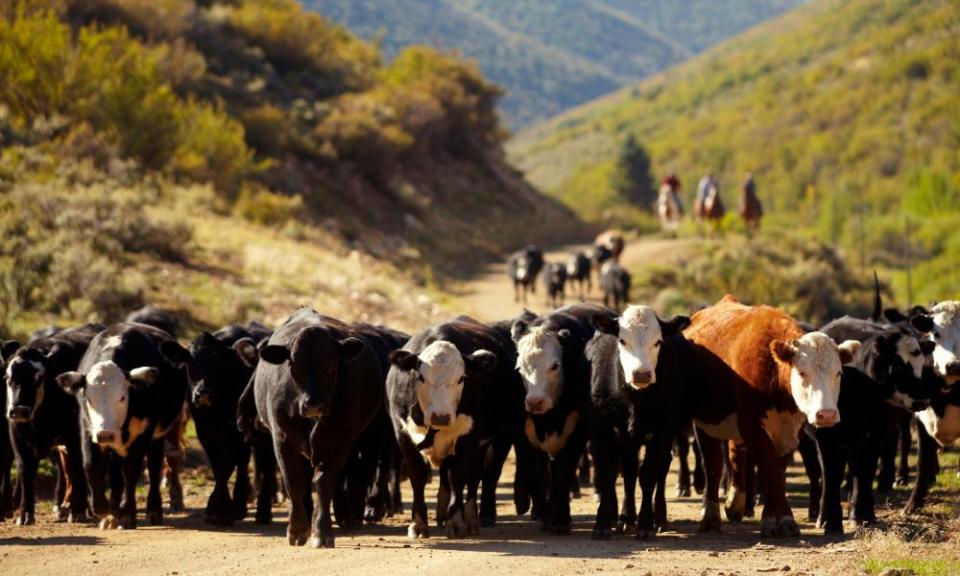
(847,112)
(551,56)
(240,152)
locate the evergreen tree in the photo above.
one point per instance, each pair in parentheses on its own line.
(633,180)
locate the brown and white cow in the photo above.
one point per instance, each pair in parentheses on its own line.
(778,377)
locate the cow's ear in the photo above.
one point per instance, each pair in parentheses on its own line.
(404,359)
(674,325)
(922,323)
(893,315)
(848,350)
(480,362)
(518,329)
(927,347)
(175,354)
(606,324)
(274,354)
(144,376)
(8,348)
(563,334)
(783,351)
(246,349)
(71,382)
(351,348)
(57,354)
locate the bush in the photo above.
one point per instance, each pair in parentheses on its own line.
(264,207)
(212,148)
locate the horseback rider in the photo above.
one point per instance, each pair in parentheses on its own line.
(672,186)
(751,209)
(703,190)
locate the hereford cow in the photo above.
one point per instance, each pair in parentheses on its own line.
(42,417)
(556,377)
(130,396)
(219,366)
(317,386)
(452,393)
(767,377)
(615,283)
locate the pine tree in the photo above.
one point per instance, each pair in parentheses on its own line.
(633,180)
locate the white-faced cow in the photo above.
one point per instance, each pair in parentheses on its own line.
(452,395)
(130,396)
(766,379)
(556,377)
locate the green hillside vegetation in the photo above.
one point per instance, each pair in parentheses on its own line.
(848,114)
(145,139)
(551,56)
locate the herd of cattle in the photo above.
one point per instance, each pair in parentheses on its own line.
(344,411)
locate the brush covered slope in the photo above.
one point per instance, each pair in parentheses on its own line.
(553,55)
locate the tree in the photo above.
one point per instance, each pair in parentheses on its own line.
(632,179)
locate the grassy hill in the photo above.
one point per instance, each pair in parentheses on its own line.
(551,56)
(227,157)
(848,113)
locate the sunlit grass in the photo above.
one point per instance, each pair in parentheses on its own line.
(925,567)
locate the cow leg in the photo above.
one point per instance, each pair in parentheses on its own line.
(419,474)
(218,511)
(777,519)
(605,459)
(698,476)
(630,463)
(25,450)
(660,497)
(325,484)
(862,508)
(131,468)
(903,470)
(174,447)
(736,503)
(241,483)
(265,462)
(682,442)
(563,473)
(73,465)
(396,476)
(753,482)
(295,472)
(832,464)
(155,472)
(496,456)
(888,459)
(471,471)
(584,469)
(657,452)
(926,470)
(811,465)
(711,451)
(60,506)
(443,493)
(95,470)
(526,472)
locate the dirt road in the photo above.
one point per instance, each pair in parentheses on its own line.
(489,296)
(185,545)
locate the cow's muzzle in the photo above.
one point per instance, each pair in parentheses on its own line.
(953,368)
(20,414)
(640,379)
(440,420)
(106,437)
(827,418)
(536,405)
(312,410)
(203,398)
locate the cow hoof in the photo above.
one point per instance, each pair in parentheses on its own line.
(417,531)
(521,505)
(127,523)
(645,534)
(296,539)
(600,534)
(901,482)
(77,518)
(560,528)
(471,517)
(61,513)
(661,527)
(26,519)
(456,528)
(109,522)
(832,528)
(176,503)
(322,541)
(263,519)
(709,525)
(768,527)
(787,527)
(683,491)
(625,523)
(154,518)
(487,521)
(372,514)
(710,517)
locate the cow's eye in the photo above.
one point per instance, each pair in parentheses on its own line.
(420,377)
(622,343)
(123,398)
(555,366)
(657,343)
(915,353)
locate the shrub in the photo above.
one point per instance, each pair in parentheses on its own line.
(212,148)
(261,206)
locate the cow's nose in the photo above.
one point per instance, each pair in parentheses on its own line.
(312,410)
(20,414)
(827,418)
(919,405)
(203,398)
(535,405)
(105,437)
(953,368)
(642,376)
(439,419)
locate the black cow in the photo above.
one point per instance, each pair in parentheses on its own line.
(318,385)
(615,283)
(883,378)
(682,444)
(42,416)
(523,267)
(156,317)
(219,366)
(453,394)
(6,447)
(554,282)
(578,270)
(641,377)
(556,376)
(130,397)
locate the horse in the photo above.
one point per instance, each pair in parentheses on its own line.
(668,207)
(750,210)
(711,209)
